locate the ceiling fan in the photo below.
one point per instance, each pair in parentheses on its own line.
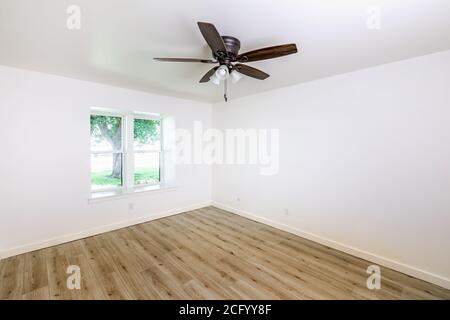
(225,52)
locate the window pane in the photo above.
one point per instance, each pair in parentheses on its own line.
(146,167)
(106,170)
(147,134)
(106,133)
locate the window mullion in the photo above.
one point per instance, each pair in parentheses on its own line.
(129,155)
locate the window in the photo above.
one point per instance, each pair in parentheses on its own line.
(106,152)
(147,151)
(126,151)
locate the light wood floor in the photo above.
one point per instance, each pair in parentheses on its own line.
(207,253)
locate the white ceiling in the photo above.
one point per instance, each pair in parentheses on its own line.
(119,38)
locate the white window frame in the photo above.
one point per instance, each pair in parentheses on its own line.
(127,151)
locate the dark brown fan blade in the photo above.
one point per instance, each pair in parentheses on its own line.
(267,53)
(251,72)
(185,60)
(207,75)
(212,37)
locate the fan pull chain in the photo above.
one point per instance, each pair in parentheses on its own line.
(225,90)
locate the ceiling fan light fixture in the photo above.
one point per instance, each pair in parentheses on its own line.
(235,76)
(214,79)
(222,72)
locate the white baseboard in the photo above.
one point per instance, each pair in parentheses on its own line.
(386,262)
(94,231)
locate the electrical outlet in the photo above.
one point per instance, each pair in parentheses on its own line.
(286,211)
(130,206)
(238,199)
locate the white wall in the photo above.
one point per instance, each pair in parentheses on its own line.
(364,163)
(45,155)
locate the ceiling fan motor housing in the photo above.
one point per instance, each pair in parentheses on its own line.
(232,45)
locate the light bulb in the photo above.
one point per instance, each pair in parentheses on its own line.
(222,72)
(235,76)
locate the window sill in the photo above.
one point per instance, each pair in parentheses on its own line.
(137,191)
